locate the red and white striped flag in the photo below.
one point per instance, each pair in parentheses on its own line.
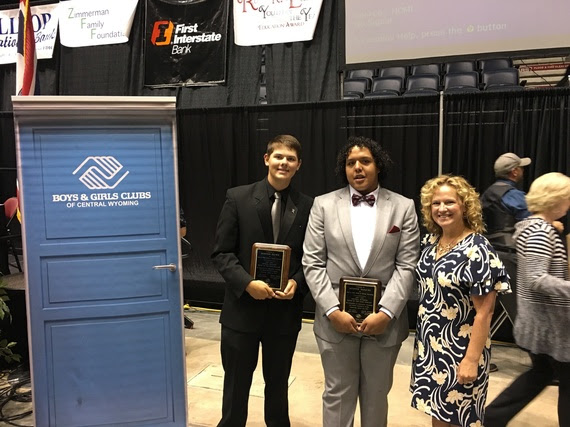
(26,58)
(25,64)
(18,213)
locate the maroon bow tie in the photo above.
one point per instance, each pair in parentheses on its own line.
(369,198)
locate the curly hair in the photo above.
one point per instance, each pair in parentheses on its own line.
(381,157)
(473,217)
(547,191)
(288,141)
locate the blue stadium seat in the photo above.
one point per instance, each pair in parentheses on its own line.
(426,69)
(385,86)
(425,84)
(356,87)
(351,74)
(495,64)
(361,74)
(507,79)
(459,67)
(393,72)
(461,82)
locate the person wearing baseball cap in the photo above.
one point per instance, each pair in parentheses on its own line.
(510,166)
(503,205)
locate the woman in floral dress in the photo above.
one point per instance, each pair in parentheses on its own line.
(459,274)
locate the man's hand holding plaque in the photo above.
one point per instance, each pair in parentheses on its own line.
(259,290)
(289,291)
(359,296)
(343,322)
(270,264)
(374,324)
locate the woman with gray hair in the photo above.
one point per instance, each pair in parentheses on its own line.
(543,299)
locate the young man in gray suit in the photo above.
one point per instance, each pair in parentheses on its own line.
(361,230)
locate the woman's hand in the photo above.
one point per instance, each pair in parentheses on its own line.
(466,371)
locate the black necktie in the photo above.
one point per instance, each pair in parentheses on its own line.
(276,216)
(369,198)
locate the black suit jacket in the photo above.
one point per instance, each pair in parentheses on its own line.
(245,219)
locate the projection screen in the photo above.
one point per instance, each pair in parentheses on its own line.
(389,30)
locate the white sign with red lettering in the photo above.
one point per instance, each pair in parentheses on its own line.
(258,22)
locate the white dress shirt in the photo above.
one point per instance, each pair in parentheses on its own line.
(363,221)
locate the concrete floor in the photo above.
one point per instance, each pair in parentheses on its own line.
(205,376)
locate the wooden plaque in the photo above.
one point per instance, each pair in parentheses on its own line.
(270,263)
(359,296)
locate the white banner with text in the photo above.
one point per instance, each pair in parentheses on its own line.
(94,23)
(258,22)
(44,21)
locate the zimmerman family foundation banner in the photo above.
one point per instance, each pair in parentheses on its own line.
(258,22)
(185,44)
(101,22)
(44,22)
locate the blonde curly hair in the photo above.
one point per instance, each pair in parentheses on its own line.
(473,217)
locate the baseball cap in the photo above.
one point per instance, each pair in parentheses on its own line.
(507,162)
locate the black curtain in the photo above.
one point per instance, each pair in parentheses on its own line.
(306,71)
(296,72)
(119,70)
(7,157)
(480,127)
(242,79)
(222,148)
(408,128)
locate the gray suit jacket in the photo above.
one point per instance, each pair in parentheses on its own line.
(329,254)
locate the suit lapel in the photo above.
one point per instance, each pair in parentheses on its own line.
(383,217)
(343,210)
(289,215)
(263,208)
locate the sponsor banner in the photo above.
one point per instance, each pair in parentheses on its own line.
(550,68)
(94,23)
(44,22)
(185,43)
(258,22)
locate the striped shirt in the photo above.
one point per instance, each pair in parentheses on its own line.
(541,252)
(543,290)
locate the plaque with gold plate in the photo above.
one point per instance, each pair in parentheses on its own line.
(270,263)
(359,296)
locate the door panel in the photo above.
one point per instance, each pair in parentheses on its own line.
(99,199)
(101,365)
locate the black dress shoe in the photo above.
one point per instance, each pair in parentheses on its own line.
(493,367)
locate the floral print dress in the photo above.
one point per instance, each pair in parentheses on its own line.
(445,319)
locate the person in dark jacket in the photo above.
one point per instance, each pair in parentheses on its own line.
(253,312)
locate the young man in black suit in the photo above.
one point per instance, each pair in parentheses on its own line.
(253,312)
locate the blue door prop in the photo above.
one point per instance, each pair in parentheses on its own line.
(100,208)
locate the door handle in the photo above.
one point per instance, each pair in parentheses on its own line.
(170,267)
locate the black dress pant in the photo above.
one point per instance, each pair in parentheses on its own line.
(527,386)
(239,358)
